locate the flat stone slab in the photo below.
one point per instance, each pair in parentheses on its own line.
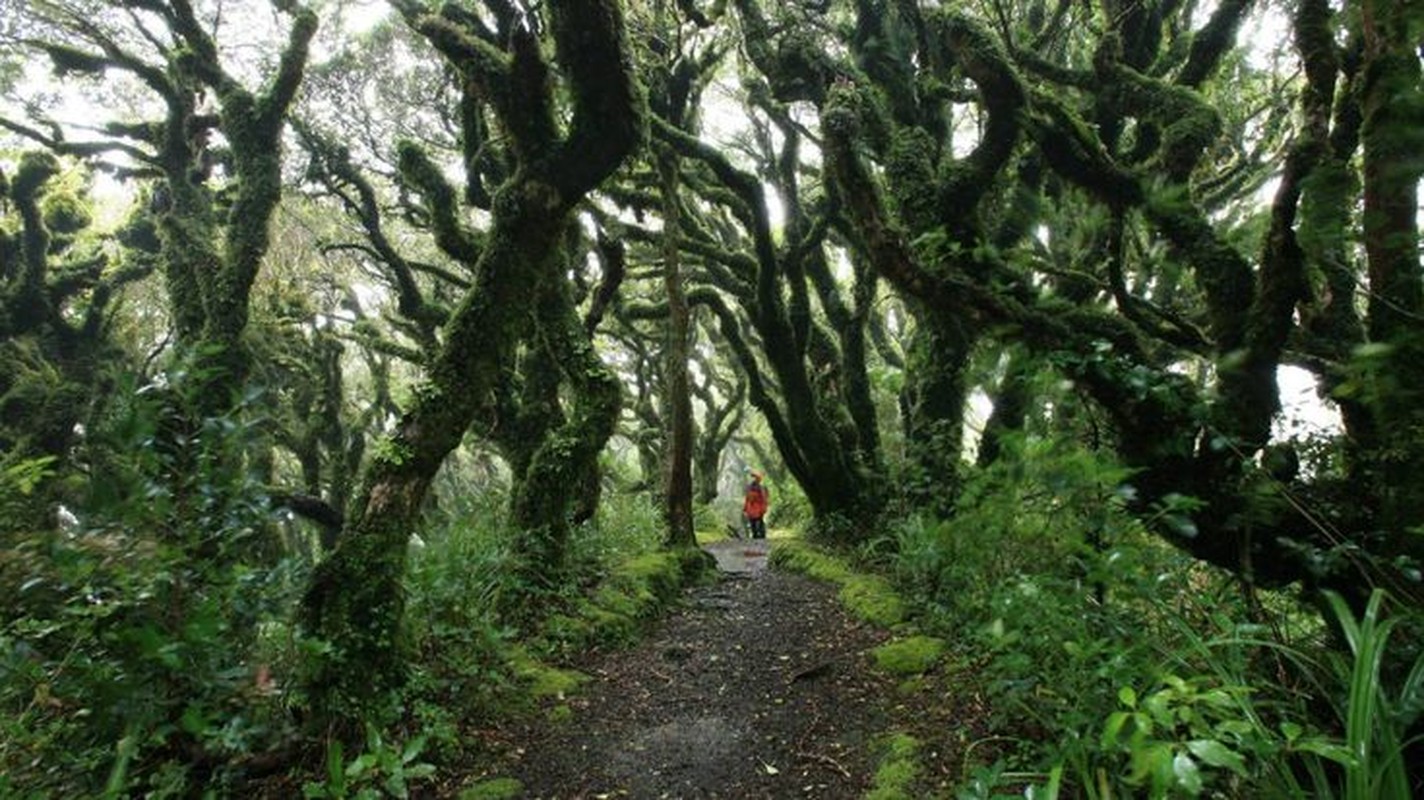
(740,556)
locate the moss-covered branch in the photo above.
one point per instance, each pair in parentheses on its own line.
(795,64)
(609,107)
(26,303)
(978,53)
(57,143)
(1074,152)
(861,202)
(1188,124)
(451,236)
(614,258)
(1213,42)
(757,390)
(331,165)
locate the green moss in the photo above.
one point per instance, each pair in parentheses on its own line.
(868,597)
(910,656)
(543,681)
(551,682)
(802,558)
(912,686)
(493,789)
(898,768)
(652,576)
(635,590)
(610,614)
(655,579)
(872,599)
(603,625)
(560,628)
(910,179)
(561,714)
(622,601)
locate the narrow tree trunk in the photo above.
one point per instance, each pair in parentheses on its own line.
(938,359)
(678,477)
(1391,140)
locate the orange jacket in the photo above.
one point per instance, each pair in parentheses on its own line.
(755,500)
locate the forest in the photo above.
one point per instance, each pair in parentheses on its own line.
(363,363)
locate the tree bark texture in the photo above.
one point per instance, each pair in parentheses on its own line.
(354,600)
(678,478)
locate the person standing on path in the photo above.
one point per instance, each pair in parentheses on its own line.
(754,504)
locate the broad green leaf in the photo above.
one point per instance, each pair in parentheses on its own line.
(1217,754)
(1113,728)
(1187,773)
(1334,751)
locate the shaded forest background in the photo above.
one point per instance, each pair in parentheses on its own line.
(347,349)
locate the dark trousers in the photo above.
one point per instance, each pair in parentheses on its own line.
(757,526)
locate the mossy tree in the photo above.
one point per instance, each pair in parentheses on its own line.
(519,307)
(1154,189)
(676,62)
(324,369)
(677,491)
(216,153)
(643,419)
(1391,118)
(57,286)
(717,388)
(800,373)
(722,393)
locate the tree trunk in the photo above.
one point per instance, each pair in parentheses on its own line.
(938,358)
(567,457)
(355,601)
(1010,409)
(678,465)
(1391,138)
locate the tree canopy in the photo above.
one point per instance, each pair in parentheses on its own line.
(310,277)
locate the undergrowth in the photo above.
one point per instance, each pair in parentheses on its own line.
(141,642)
(1118,667)
(147,646)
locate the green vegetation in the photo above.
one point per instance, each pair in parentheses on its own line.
(1115,666)
(910,656)
(897,769)
(869,597)
(359,373)
(495,789)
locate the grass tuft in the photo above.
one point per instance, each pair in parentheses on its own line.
(910,656)
(898,768)
(494,789)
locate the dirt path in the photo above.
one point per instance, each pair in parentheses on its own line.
(756,687)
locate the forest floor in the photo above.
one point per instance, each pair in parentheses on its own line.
(758,686)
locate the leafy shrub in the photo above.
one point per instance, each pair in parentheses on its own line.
(1124,668)
(127,657)
(460,574)
(382,769)
(627,524)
